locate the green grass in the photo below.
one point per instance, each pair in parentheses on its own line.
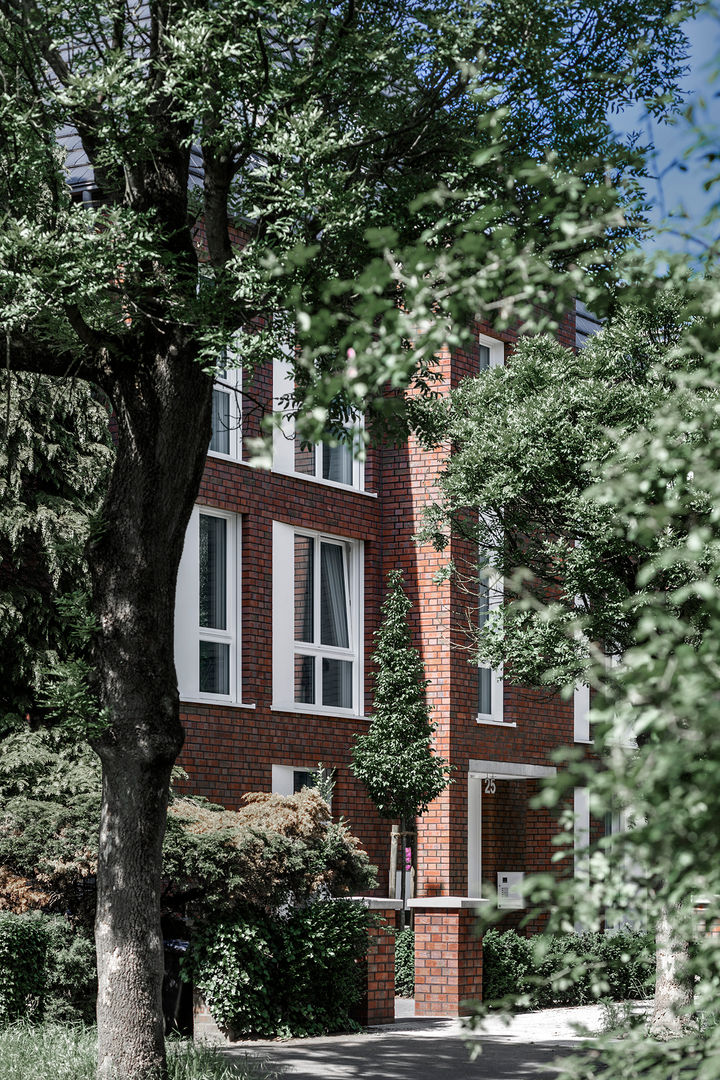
(67,1052)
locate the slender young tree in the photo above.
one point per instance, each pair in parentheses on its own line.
(395,759)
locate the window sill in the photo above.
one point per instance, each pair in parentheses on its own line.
(327,483)
(493,723)
(229,458)
(584,742)
(225,702)
(319,710)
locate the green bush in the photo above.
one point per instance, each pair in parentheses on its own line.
(47,969)
(23,948)
(405,962)
(71,972)
(507,960)
(296,975)
(568,969)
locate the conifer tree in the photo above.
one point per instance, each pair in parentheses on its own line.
(395,759)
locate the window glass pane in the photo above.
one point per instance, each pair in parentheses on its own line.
(214,668)
(213,572)
(333,600)
(485,691)
(483,598)
(304,458)
(338,463)
(220,441)
(304,588)
(305,679)
(301,779)
(337,683)
(484,357)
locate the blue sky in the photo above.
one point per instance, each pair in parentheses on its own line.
(677,194)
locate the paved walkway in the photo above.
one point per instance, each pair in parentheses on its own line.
(416,1049)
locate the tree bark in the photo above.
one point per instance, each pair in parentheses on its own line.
(162,403)
(671,1015)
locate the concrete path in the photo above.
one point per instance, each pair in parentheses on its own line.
(416,1049)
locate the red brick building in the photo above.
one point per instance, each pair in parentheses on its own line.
(279,595)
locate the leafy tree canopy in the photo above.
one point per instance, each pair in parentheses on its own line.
(532,439)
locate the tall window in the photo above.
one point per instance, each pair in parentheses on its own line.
(315,643)
(207,650)
(330,464)
(226,438)
(490,684)
(491,353)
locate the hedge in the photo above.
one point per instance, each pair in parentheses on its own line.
(47,969)
(296,975)
(405,962)
(568,969)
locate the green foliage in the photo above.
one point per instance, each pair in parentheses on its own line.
(54,1051)
(567,969)
(70,982)
(276,850)
(47,969)
(530,439)
(54,463)
(299,974)
(405,962)
(23,949)
(394,759)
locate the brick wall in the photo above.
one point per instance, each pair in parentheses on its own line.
(230,750)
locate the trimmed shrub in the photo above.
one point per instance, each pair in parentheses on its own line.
(47,969)
(568,969)
(405,962)
(70,972)
(23,948)
(507,959)
(296,975)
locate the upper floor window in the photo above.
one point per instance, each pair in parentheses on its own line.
(317,586)
(207,609)
(323,462)
(490,681)
(491,352)
(226,439)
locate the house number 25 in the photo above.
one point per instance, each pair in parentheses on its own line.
(489,785)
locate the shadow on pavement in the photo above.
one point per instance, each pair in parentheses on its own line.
(407,1058)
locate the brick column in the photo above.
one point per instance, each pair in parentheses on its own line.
(378,1005)
(448,955)
(205,1030)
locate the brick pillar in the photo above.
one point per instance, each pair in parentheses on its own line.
(378,1005)
(448,955)
(205,1030)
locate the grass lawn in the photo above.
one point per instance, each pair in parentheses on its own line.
(67,1052)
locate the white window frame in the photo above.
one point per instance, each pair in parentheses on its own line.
(284,438)
(285,647)
(188,632)
(497,704)
(496,347)
(230,384)
(581,710)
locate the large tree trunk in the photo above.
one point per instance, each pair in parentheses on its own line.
(673,983)
(162,404)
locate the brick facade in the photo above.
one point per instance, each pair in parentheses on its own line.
(230,749)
